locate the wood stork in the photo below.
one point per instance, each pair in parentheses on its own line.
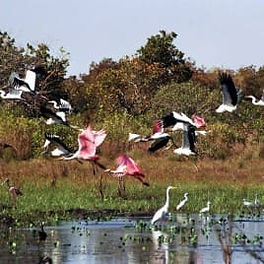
(126,166)
(28,83)
(205,209)
(60,150)
(161,214)
(254,100)
(183,202)
(88,141)
(62,106)
(158,135)
(12,94)
(177,120)
(53,117)
(188,141)
(231,97)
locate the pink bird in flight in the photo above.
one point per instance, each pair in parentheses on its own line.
(127,166)
(88,141)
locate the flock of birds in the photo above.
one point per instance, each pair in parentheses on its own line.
(56,111)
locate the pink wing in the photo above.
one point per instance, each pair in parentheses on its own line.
(158,127)
(99,137)
(131,167)
(198,121)
(87,148)
(128,166)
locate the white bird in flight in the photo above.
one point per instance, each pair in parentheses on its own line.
(231,96)
(188,141)
(254,100)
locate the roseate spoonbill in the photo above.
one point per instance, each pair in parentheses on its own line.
(60,150)
(62,106)
(161,214)
(14,192)
(231,97)
(183,202)
(127,166)
(188,142)
(254,100)
(205,209)
(88,141)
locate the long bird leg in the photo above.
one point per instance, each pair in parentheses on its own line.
(119,190)
(101,187)
(93,167)
(123,186)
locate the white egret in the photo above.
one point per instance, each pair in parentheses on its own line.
(163,211)
(205,209)
(183,202)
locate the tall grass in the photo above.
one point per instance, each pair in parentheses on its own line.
(224,183)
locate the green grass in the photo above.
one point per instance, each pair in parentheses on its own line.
(42,202)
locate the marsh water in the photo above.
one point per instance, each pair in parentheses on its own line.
(183,239)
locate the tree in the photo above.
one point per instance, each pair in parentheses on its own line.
(19,59)
(160,49)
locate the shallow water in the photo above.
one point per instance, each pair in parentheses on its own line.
(124,241)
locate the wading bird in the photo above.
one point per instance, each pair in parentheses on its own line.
(248,204)
(161,214)
(179,120)
(42,234)
(188,141)
(88,141)
(205,209)
(62,106)
(254,100)
(53,117)
(183,202)
(60,150)
(11,94)
(231,97)
(28,83)
(257,202)
(159,137)
(127,166)
(14,192)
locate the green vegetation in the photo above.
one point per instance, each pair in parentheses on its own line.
(127,96)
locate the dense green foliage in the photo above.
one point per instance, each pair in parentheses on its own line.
(127,96)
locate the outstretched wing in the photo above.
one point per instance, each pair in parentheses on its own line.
(87,149)
(99,137)
(229,91)
(16,82)
(158,127)
(189,138)
(158,144)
